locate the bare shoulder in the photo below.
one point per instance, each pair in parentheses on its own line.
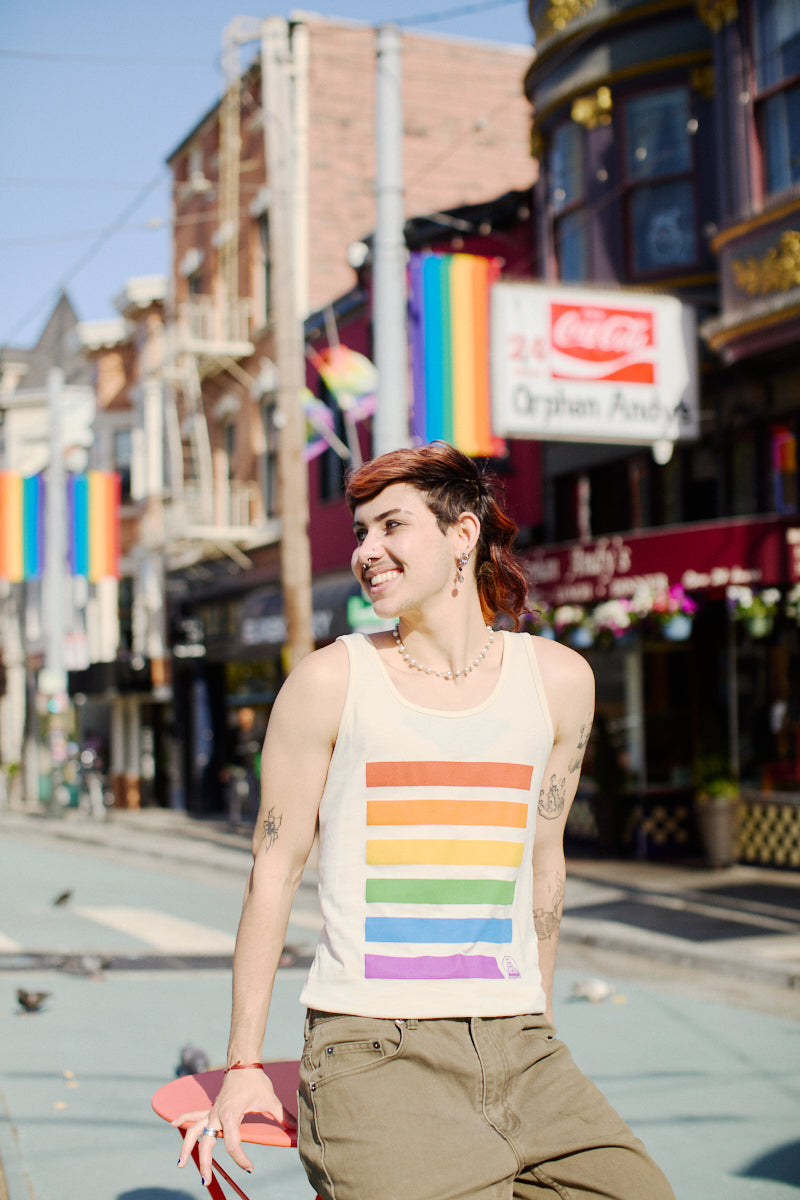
(568,681)
(314,692)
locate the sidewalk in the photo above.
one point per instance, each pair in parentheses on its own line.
(712,1088)
(741,920)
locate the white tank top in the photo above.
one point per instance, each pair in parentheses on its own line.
(427,823)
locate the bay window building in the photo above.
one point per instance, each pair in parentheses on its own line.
(668,139)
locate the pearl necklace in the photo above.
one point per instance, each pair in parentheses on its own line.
(412,662)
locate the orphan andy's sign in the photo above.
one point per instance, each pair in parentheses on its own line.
(573,364)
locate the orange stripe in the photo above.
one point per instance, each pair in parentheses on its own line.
(11,518)
(446,812)
(449,774)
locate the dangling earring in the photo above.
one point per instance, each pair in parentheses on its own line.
(462,562)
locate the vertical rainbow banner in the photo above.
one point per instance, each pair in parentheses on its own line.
(21,526)
(93,503)
(449,335)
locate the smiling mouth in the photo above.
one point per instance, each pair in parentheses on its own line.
(383,577)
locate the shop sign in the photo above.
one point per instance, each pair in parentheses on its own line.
(262,621)
(719,554)
(272,630)
(793,547)
(575,364)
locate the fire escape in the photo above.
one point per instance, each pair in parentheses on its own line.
(206,513)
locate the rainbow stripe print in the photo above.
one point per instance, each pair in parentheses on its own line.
(93,501)
(21,526)
(449,337)
(441,872)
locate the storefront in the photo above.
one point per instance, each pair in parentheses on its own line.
(229,665)
(693,635)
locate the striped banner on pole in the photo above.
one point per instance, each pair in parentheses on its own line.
(449,332)
(93,501)
(21,526)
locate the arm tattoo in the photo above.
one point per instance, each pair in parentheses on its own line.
(271,826)
(546,921)
(580,749)
(553,798)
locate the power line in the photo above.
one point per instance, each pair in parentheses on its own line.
(116,226)
(110,60)
(447,14)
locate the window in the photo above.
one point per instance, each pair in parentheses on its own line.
(263,283)
(658,171)
(268,463)
(331,466)
(784,469)
(123,457)
(777,72)
(567,194)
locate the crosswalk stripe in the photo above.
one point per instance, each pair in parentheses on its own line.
(163,932)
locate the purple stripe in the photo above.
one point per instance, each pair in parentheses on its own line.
(452,966)
(416,325)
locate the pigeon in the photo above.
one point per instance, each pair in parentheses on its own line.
(593,990)
(193,1061)
(31,1002)
(63,898)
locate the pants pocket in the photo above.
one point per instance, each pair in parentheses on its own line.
(337,1046)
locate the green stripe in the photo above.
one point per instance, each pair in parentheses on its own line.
(441,891)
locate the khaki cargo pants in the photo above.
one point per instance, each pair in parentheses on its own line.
(478,1108)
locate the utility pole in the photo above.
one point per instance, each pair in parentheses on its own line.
(390,425)
(54,589)
(295,549)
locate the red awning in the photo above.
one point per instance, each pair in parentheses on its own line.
(753,551)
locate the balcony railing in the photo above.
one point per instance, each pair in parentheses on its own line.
(231,512)
(206,325)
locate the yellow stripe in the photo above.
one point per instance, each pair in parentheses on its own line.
(444,852)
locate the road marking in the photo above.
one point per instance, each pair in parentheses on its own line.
(169,934)
(8,946)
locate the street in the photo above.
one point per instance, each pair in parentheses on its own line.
(136,961)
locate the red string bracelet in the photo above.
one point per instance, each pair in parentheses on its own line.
(243,1067)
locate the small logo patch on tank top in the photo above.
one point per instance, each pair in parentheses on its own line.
(510,967)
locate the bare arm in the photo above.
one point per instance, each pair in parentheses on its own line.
(294,765)
(569,684)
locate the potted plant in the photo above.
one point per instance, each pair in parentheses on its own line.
(717,807)
(572,624)
(614,622)
(757,609)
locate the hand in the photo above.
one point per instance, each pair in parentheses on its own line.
(241,1092)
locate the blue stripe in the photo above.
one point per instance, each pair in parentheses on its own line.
(434,364)
(457,930)
(80,526)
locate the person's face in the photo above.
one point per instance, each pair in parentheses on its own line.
(402,558)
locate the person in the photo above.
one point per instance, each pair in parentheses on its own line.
(438,762)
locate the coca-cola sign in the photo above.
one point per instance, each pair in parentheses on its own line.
(582,365)
(602,343)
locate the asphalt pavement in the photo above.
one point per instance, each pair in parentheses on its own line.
(678,991)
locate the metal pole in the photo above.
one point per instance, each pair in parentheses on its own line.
(54,583)
(295,549)
(390,426)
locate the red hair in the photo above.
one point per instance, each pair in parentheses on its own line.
(452,484)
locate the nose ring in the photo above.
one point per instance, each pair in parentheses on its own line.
(369,562)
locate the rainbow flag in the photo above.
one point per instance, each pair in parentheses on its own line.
(93,502)
(21,526)
(435,888)
(449,334)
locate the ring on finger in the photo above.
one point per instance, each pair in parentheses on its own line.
(208,1132)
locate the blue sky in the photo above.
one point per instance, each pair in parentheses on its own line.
(94,95)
